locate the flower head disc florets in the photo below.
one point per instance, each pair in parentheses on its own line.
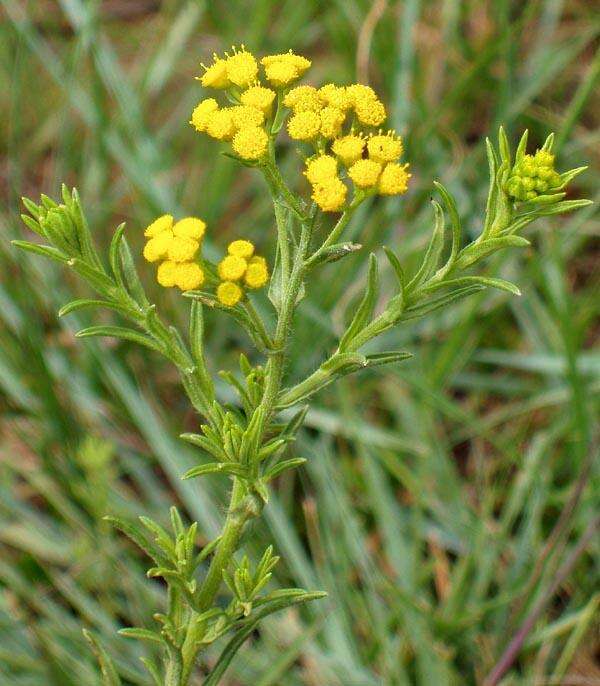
(533,175)
(339,122)
(240,266)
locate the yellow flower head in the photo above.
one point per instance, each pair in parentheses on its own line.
(331,121)
(232,268)
(220,125)
(190,227)
(336,96)
(394,179)
(250,143)
(188,276)
(330,195)
(256,275)
(166,274)
(358,93)
(259,97)
(385,148)
(241,68)
(159,225)
(229,293)
(202,113)
(245,116)
(349,148)
(304,99)
(241,248)
(304,126)
(157,247)
(321,169)
(281,73)
(182,249)
(258,259)
(215,76)
(365,173)
(370,112)
(300,63)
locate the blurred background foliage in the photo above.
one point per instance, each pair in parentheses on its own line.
(445,501)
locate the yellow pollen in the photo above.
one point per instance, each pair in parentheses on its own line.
(220,125)
(331,121)
(202,113)
(182,249)
(304,126)
(242,68)
(304,99)
(321,169)
(370,112)
(241,248)
(358,93)
(330,196)
(385,148)
(245,116)
(394,179)
(364,173)
(188,276)
(229,293)
(159,225)
(157,248)
(259,97)
(190,227)
(300,63)
(349,148)
(215,76)
(256,275)
(166,274)
(281,73)
(250,143)
(336,96)
(232,268)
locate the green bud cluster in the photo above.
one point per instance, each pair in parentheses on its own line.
(532,176)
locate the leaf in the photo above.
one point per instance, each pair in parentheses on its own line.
(364,311)
(131,276)
(477,251)
(522,147)
(344,361)
(336,252)
(501,284)
(396,266)
(134,531)
(32,224)
(283,466)
(44,250)
(215,468)
(247,626)
(433,252)
(391,357)
(493,191)
(206,444)
(562,207)
(121,332)
(113,255)
(454,220)
(428,307)
(504,146)
(141,634)
(110,676)
(84,303)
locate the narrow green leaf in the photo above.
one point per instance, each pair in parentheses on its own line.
(141,634)
(482,280)
(364,311)
(110,677)
(138,535)
(121,332)
(215,468)
(433,252)
(85,303)
(284,466)
(454,220)
(44,250)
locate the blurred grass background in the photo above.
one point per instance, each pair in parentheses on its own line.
(444,499)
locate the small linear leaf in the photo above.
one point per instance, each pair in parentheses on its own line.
(215,468)
(141,634)
(365,309)
(121,332)
(84,303)
(284,466)
(110,676)
(433,252)
(44,250)
(501,284)
(134,531)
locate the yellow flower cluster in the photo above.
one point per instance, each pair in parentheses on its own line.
(369,159)
(175,245)
(240,267)
(245,123)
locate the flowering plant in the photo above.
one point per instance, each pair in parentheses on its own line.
(347,159)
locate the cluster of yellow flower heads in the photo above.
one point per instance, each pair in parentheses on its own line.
(534,175)
(175,245)
(240,267)
(368,156)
